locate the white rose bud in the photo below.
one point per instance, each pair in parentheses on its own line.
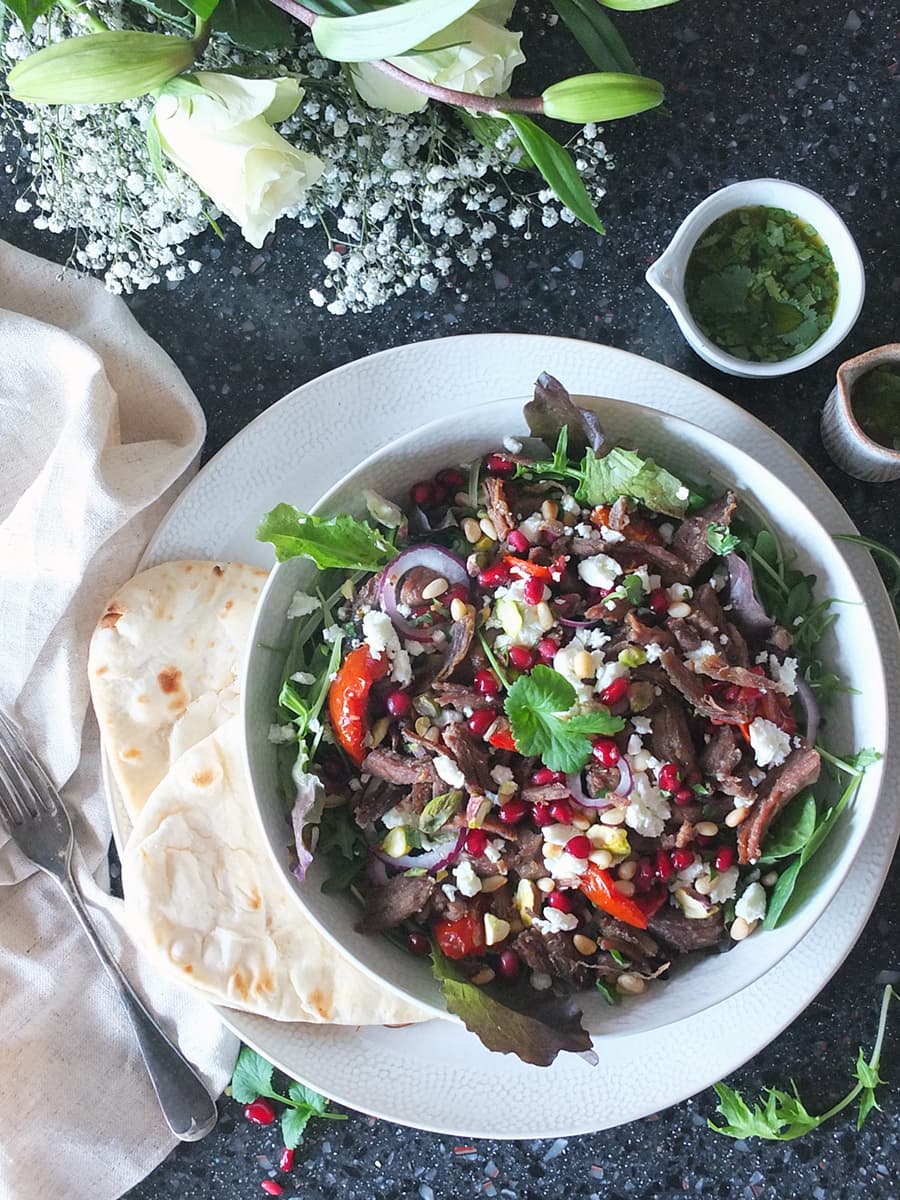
(222,137)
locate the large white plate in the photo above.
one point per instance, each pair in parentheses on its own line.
(436,1076)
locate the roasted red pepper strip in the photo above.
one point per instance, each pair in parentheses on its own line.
(348,699)
(460,938)
(503,740)
(524,566)
(597,885)
(651,902)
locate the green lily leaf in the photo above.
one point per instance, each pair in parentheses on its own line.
(603,96)
(555,164)
(635,5)
(28,11)
(386,32)
(596,34)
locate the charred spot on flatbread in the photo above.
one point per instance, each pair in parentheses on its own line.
(217,570)
(169,680)
(131,752)
(110,618)
(203,778)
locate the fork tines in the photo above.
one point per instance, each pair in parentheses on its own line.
(25,788)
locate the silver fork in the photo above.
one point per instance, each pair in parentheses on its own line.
(35,817)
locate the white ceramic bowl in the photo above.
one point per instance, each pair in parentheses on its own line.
(855,721)
(666,275)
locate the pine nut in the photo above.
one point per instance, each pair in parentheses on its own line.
(602,859)
(628,870)
(432,734)
(612,816)
(545,618)
(584,945)
(461,499)
(680,609)
(487,528)
(624,887)
(458,609)
(546,885)
(741,929)
(631,985)
(581,823)
(436,588)
(471,529)
(422,725)
(736,817)
(549,510)
(551,850)
(493,884)
(485,975)
(769,879)
(583,664)
(702,885)
(706,828)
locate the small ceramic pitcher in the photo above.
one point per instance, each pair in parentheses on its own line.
(844,439)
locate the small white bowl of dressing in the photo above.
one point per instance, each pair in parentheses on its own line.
(667,276)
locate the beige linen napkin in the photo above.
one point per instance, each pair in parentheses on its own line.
(98,432)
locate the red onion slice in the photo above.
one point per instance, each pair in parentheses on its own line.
(434,558)
(579,624)
(626,779)
(428,860)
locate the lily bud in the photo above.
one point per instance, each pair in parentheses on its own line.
(100,68)
(603,96)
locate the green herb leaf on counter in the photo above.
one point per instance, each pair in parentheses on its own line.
(781,1116)
(252,1078)
(339,541)
(537,705)
(720,539)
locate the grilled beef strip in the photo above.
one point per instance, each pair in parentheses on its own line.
(397,768)
(460,696)
(636,945)
(525,857)
(498,508)
(413,584)
(471,757)
(545,793)
(554,954)
(640,634)
(693,688)
(670,734)
(449,910)
(798,771)
(679,935)
(375,799)
(711,621)
(600,780)
(388,904)
(461,636)
(723,761)
(618,515)
(689,542)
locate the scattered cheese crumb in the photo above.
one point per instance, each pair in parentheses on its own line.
(302,605)
(771,745)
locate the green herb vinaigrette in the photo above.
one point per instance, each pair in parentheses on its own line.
(875,400)
(761,284)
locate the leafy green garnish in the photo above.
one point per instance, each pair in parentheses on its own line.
(891,557)
(252,1078)
(537,706)
(780,1116)
(610,995)
(625,473)
(339,541)
(720,539)
(536,1026)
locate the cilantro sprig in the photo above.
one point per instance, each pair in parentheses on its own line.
(252,1078)
(539,710)
(781,1116)
(720,539)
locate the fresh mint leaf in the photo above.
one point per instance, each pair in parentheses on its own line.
(537,705)
(252,1077)
(293,1125)
(625,473)
(720,539)
(339,541)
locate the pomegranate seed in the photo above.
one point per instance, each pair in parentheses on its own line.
(561,812)
(541,814)
(663,866)
(458,592)
(646,871)
(669,777)
(440,495)
(422,493)
(495,575)
(684,795)
(521,658)
(732,694)
(659,600)
(547,649)
(476,842)
(480,721)
(579,846)
(512,812)
(704,839)
(615,691)
(450,477)
(486,683)
(417,943)
(508,965)
(543,776)
(499,464)
(533,591)
(260,1112)
(518,541)
(724,858)
(682,859)
(286,1162)
(606,751)
(398,704)
(271,1188)
(560,900)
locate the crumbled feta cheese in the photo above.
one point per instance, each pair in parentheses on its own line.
(771,745)
(466,879)
(641,725)
(449,771)
(381,638)
(594,639)
(647,810)
(635,745)
(565,867)
(382,510)
(683,493)
(492,854)
(414,649)
(513,445)
(785,673)
(558,835)
(752,904)
(606,674)
(666,531)
(302,605)
(599,571)
(653,650)
(501,774)
(331,633)
(723,886)
(555,921)
(584,529)
(449,891)
(304,678)
(282,733)
(703,651)
(611,535)
(643,575)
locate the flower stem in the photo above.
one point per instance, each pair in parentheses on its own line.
(202,31)
(482,104)
(77,8)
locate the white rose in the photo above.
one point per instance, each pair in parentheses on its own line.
(223,138)
(481,59)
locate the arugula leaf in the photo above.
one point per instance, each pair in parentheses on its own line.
(549,1025)
(625,473)
(793,829)
(339,541)
(890,556)
(252,1077)
(720,539)
(537,705)
(780,1116)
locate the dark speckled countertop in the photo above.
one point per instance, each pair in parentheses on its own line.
(805,89)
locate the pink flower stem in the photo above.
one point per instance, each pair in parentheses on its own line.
(482,104)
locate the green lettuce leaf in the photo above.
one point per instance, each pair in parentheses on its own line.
(339,541)
(625,473)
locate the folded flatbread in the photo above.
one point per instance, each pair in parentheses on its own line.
(205,900)
(164,664)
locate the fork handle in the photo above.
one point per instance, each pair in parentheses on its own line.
(187,1106)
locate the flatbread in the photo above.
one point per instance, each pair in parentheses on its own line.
(164,663)
(207,904)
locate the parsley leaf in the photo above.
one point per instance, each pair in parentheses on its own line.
(339,541)
(537,705)
(252,1077)
(720,539)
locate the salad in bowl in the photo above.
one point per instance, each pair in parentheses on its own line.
(550,721)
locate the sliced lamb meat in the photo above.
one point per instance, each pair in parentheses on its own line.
(716,668)
(693,688)
(679,935)
(633,943)
(618,515)
(498,508)
(711,622)
(670,734)
(525,857)
(545,793)
(722,761)
(531,947)
(460,696)
(640,634)
(397,768)
(419,795)
(585,547)
(460,643)
(629,555)
(375,799)
(553,954)
(608,610)
(449,910)
(689,542)
(798,771)
(600,780)
(414,583)
(388,904)
(471,757)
